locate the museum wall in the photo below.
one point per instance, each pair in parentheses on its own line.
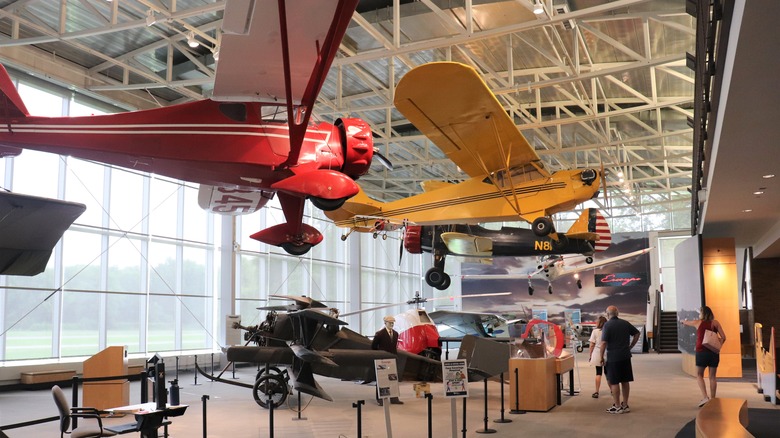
(765,280)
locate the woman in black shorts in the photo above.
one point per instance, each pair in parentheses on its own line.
(706,358)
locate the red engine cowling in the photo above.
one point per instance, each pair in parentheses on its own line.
(358,146)
(413,239)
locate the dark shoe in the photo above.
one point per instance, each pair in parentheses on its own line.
(625,409)
(595,395)
(395,401)
(379,402)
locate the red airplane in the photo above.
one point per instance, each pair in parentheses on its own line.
(274,53)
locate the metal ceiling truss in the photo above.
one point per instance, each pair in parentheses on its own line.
(588,82)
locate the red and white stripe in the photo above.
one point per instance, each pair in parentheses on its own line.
(602,230)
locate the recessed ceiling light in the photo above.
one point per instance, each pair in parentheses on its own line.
(758,193)
(747,210)
(771,175)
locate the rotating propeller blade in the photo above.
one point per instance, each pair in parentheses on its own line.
(383,160)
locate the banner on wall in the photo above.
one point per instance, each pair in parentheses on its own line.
(621,279)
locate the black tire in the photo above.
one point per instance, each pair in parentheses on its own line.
(530,290)
(579,349)
(327,204)
(588,259)
(542,226)
(446,283)
(270,389)
(296,250)
(435,277)
(579,284)
(549,289)
(270,370)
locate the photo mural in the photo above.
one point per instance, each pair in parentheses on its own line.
(624,284)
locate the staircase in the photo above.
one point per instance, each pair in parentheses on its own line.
(667,341)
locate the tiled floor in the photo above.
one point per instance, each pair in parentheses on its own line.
(663,399)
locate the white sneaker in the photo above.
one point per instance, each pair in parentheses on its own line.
(704,401)
(615,410)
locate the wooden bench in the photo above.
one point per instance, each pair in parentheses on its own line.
(723,417)
(33,377)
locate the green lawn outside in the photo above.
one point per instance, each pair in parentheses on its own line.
(37,345)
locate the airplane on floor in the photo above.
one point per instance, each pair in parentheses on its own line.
(274,56)
(588,235)
(553,267)
(307,338)
(451,104)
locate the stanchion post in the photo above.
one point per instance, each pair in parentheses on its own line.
(205,429)
(502,419)
(75,400)
(464,418)
(298,418)
(486,429)
(196,371)
(212,364)
(270,412)
(429,396)
(517,410)
(356,405)
(177,367)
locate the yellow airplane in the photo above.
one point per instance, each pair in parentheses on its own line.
(451,104)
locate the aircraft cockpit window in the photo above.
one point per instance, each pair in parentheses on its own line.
(233,111)
(424,318)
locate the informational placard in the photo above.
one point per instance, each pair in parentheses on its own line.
(456,382)
(386,378)
(232,334)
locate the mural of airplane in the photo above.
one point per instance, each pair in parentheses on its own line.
(588,235)
(451,104)
(553,267)
(273,55)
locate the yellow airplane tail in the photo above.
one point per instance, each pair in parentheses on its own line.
(591,225)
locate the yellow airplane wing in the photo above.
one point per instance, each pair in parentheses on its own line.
(451,105)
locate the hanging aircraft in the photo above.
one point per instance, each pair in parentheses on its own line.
(553,267)
(451,104)
(30,226)
(274,58)
(588,235)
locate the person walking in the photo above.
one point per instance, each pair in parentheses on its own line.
(595,353)
(386,339)
(618,337)
(706,358)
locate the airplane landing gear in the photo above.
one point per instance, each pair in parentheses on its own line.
(270,389)
(588,259)
(436,277)
(549,289)
(530,290)
(542,226)
(579,284)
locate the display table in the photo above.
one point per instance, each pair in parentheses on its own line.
(532,387)
(148,418)
(562,366)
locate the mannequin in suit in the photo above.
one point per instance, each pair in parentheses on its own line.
(387,339)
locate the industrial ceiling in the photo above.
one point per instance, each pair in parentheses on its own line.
(588,82)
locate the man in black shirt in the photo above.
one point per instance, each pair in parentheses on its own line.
(618,337)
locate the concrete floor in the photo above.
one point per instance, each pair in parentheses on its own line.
(663,399)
